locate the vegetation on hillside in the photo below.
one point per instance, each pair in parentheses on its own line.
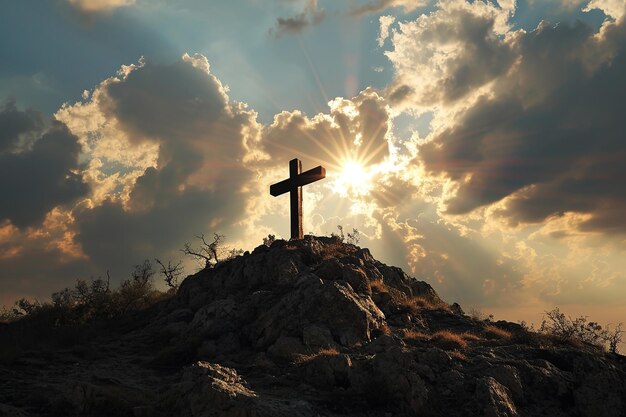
(95,300)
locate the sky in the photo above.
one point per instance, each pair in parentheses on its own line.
(478,145)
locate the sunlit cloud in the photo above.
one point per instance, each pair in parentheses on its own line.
(385,24)
(98,6)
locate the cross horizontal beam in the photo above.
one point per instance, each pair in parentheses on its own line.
(300,180)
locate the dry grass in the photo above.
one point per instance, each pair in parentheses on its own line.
(385,329)
(311,356)
(335,248)
(455,354)
(445,339)
(378,286)
(471,337)
(408,305)
(430,304)
(415,335)
(495,332)
(415,304)
(449,340)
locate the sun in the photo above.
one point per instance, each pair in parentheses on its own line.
(353,178)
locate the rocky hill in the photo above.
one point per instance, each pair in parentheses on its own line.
(311,328)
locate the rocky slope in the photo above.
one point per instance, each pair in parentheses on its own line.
(312,328)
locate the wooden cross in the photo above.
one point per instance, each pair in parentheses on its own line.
(294,184)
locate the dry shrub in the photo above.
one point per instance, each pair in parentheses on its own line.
(580,331)
(495,332)
(322,352)
(478,315)
(378,286)
(449,340)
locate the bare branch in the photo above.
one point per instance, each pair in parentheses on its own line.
(209,252)
(171,273)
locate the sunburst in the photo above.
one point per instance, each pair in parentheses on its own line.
(353,178)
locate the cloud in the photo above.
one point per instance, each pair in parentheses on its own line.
(17,128)
(612,8)
(461,267)
(443,56)
(99,6)
(526,119)
(39,167)
(354,129)
(311,15)
(197,179)
(200,162)
(380,5)
(385,23)
(40,260)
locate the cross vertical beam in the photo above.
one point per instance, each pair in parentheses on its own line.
(295,196)
(293,185)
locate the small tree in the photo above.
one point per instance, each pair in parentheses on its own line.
(558,324)
(340,235)
(63,298)
(207,252)
(267,241)
(352,238)
(135,293)
(21,308)
(170,273)
(233,253)
(614,338)
(142,274)
(213,252)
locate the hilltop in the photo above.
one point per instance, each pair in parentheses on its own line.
(315,327)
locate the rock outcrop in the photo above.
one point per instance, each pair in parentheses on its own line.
(313,328)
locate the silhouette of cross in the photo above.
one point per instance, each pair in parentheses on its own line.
(293,185)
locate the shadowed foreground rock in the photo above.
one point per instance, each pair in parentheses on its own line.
(312,328)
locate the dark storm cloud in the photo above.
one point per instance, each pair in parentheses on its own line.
(310,16)
(16,125)
(35,180)
(199,176)
(551,137)
(116,239)
(38,270)
(167,101)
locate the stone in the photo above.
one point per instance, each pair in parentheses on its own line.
(317,336)
(435,357)
(291,330)
(509,377)
(494,398)
(286,348)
